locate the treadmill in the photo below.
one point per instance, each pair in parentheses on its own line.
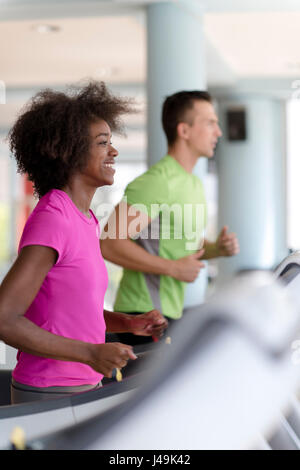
(226,382)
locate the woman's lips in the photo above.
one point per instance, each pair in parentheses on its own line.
(109,166)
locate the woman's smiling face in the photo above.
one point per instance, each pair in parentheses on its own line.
(100,166)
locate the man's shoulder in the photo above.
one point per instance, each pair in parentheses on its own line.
(151,186)
(158,169)
(165,167)
(152,176)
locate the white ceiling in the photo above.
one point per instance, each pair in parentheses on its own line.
(111,48)
(264,44)
(110,44)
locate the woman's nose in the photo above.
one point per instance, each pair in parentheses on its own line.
(113,151)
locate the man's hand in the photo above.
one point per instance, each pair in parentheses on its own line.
(186,269)
(107,357)
(227,243)
(152,323)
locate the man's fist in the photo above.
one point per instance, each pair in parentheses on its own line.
(186,269)
(227,243)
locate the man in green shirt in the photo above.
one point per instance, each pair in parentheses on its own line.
(157,231)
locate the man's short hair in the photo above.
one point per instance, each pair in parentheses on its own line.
(175,107)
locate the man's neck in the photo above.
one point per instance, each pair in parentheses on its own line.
(183,156)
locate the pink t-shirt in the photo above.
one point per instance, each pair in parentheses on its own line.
(70,300)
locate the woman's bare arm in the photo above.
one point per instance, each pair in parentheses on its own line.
(17,292)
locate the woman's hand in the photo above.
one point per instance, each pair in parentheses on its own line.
(109,356)
(152,323)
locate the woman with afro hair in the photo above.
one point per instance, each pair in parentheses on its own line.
(51,300)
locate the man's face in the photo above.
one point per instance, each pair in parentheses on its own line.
(202,129)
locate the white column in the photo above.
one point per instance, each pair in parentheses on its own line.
(176,61)
(252,184)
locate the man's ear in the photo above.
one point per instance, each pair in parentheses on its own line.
(182,130)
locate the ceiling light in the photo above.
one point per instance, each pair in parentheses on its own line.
(293,65)
(46,28)
(106,72)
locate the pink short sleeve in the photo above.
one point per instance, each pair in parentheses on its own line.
(70,300)
(46,227)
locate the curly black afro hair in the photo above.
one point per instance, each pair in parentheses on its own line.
(50,139)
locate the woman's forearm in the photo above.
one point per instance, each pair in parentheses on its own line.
(22,334)
(117,322)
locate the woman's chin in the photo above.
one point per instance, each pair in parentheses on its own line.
(107,182)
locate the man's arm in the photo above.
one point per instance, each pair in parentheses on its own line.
(117,246)
(226,245)
(148,324)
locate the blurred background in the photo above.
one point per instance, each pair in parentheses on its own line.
(245,53)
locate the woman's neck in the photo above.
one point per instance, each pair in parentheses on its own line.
(80,194)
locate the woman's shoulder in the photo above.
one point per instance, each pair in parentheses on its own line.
(52,206)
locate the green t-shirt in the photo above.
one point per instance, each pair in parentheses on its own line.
(174,200)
